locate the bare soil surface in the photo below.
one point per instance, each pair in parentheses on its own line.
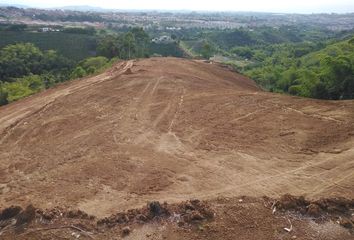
(172,129)
(222,218)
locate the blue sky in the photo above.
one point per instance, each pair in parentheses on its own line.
(284,6)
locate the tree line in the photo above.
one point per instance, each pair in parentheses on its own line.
(132,44)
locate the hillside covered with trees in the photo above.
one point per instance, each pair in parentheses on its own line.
(305,62)
(303,70)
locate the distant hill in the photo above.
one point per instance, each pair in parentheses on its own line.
(84,8)
(13,5)
(81,8)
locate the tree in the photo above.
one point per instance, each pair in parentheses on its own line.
(78,72)
(133,44)
(23,87)
(90,66)
(207,51)
(53,62)
(338,75)
(18,60)
(320,91)
(22,59)
(142,40)
(245,52)
(49,80)
(129,45)
(16,27)
(95,62)
(3,96)
(108,47)
(287,79)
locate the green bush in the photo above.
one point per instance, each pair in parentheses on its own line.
(23,87)
(3,96)
(93,63)
(295,90)
(78,72)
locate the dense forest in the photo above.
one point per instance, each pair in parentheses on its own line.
(25,69)
(303,70)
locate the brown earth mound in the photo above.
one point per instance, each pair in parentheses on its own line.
(171,129)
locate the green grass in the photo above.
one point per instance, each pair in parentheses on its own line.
(72,46)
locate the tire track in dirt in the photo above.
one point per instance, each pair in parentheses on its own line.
(248,115)
(172,129)
(7,131)
(332,183)
(179,108)
(137,115)
(156,85)
(162,114)
(76,85)
(314,115)
(271,181)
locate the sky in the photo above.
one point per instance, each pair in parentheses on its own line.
(278,6)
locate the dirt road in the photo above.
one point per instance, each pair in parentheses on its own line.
(170,129)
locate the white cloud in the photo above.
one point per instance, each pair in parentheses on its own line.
(303,6)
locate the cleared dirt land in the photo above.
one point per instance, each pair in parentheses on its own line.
(171,129)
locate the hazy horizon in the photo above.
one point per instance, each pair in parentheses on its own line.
(275,6)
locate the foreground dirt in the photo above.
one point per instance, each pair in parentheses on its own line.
(223,218)
(170,129)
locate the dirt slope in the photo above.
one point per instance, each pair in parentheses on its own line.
(170,129)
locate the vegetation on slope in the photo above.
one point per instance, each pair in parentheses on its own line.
(74,46)
(26,69)
(305,62)
(303,70)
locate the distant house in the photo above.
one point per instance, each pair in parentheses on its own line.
(173,28)
(45,29)
(48,29)
(163,40)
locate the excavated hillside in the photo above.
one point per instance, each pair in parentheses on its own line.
(170,130)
